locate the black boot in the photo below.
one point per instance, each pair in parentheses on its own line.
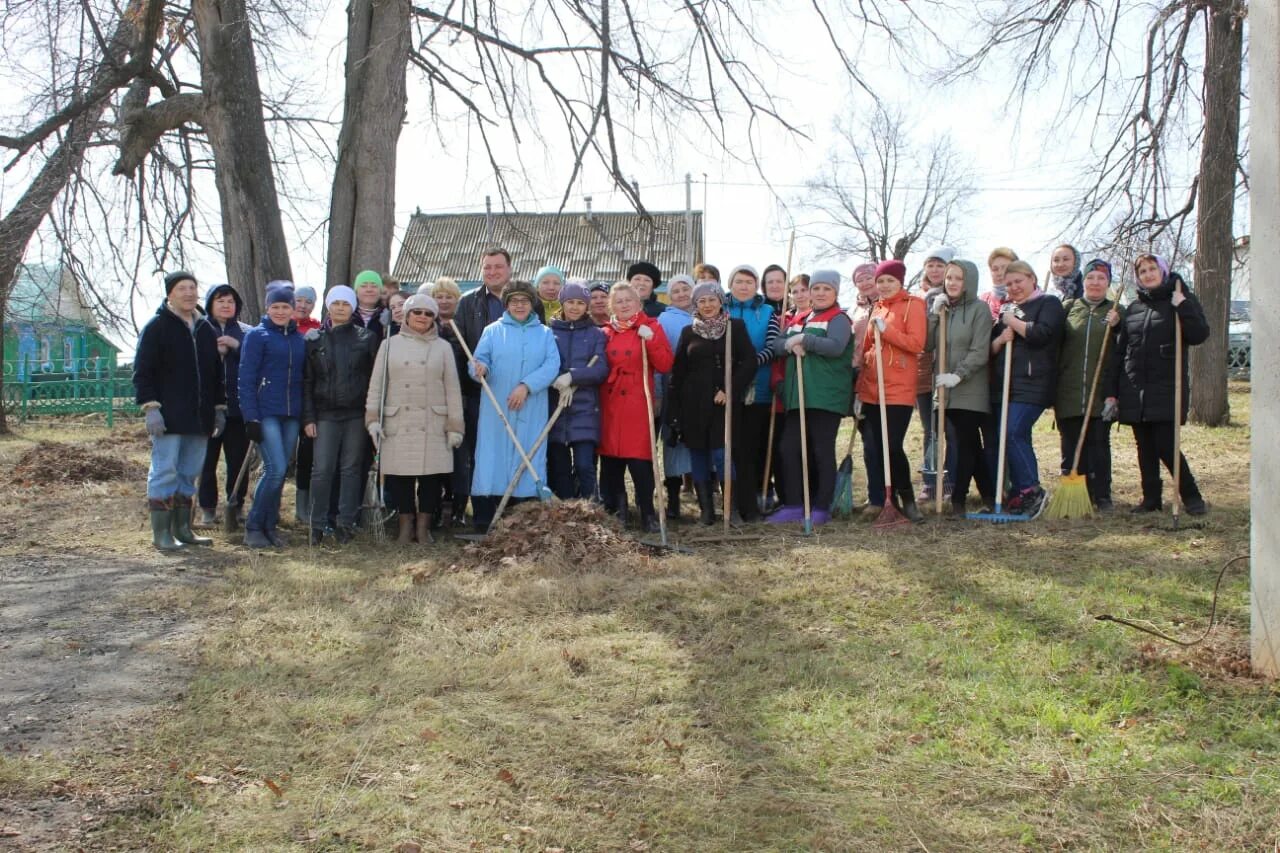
(624,513)
(673,498)
(180,522)
(649,523)
(907,504)
(161,524)
(706,503)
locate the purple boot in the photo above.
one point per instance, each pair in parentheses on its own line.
(786,515)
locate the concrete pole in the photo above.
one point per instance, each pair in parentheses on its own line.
(1264,255)
(688,223)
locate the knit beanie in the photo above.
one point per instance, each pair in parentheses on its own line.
(420,301)
(679,279)
(305,291)
(598,287)
(573,290)
(367,277)
(863,269)
(279,291)
(892,267)
(1099,264)
(546,271)
(831,278)
(340,293)
(172,279)
(746,268)
(519,288)
(946,254)
(647,269)
(708,288)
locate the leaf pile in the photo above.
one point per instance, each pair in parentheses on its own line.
(53,463)
(563,534)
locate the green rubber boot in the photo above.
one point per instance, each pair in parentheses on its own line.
(180,522)
(161,524)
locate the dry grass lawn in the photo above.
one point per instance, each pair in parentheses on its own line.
(946,688)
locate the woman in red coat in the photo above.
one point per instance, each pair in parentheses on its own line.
(624,412)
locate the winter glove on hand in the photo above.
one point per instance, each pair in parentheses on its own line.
(563,381)
(155,422)
(879,323)
(948,380)
(385,318)
(1008,309)
(645,333)
(1110,409)
(454,439)
(219,422)
(253,431)
(938,305)
(566,398)
(375,432)
(313,335)
(795,344)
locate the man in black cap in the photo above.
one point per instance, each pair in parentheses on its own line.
(178,382)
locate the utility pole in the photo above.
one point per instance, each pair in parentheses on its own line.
(1264,254)
(688,222)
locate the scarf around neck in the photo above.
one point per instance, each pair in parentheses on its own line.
(713,329)
(624,325)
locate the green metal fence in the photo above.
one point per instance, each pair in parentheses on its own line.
(68,397)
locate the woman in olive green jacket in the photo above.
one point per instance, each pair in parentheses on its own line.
(964,375)
(1090,319)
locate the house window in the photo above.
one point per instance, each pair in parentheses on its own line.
(69,354)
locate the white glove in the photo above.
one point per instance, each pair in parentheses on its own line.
(375,432)
(384,319)
(454,440)
(1009,308)
(645,333)
(948,380)
(1110,409)
(563,381)
(938,305)
(879,323)
(313,335)
(795,344)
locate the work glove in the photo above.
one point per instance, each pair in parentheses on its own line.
(385,318)
(454,439)
(375,432)
(795,344)
(948,380)
(313,335)
(1110,409)
(563,381)
(938,305)
(253,431)
(1008,309)
(566,397)
(155,422)
(879,323)
(645,333)
(219,421)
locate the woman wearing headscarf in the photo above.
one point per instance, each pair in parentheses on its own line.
(221,308)
(751,431)
(1065,279)
(821,344)
(696,396)
(964,376)
(457,489)
(625,416)
(903,326)
(1142,382)
(548,282)
(571,444)
(1032,323)
(519,358)
(931,290)
(676,462)
(419,422)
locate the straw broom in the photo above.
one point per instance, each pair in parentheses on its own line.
(1071,498)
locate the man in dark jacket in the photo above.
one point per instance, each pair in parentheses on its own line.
(334,387)
(178,382)
(222,306)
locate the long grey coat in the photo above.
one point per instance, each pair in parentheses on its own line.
(423,403)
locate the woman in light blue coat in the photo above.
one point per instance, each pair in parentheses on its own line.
(517,355)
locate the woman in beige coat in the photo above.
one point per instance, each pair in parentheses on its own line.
(418,424)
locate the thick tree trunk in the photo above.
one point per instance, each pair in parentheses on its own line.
(1215,206)
(362,207)
(252,230)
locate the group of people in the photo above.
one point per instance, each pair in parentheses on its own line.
(559,384)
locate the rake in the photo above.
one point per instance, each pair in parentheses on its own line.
(889,518)
(655,458)
(230,523)
(997,515)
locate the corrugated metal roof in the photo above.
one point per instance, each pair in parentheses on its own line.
(592,246)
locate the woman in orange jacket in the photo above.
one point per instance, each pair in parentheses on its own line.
(903,325)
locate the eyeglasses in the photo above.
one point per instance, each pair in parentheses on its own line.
(420,312)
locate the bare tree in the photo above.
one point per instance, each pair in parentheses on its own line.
(880,193)
(1145,120)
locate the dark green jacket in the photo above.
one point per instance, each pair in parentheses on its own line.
(1082,339)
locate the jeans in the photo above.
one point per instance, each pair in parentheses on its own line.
(1024,471)
(924,407)
(571,470)
(232,444)
(279,435)
(176,460)
(337,450)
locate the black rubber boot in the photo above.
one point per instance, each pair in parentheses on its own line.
(649,523)
(161,526)
(673,498)
(180,522)
(706,503)
(907,504)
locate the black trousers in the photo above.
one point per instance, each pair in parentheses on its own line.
(400,491)
(613,470)
(899,418)
(964,433)
(750,443)
(821,427)
(1095,458)
(232,444)
(871,460)
(1155,445)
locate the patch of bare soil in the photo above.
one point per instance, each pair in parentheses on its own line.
(54,463)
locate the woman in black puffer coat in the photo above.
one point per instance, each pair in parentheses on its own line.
(1142,377)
